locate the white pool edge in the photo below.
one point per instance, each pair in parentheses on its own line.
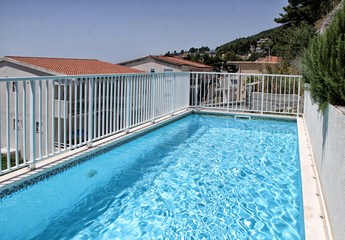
(316,220)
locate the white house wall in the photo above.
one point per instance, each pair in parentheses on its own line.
(8,69)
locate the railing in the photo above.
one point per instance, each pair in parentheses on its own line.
(44,116)
(261,93)
(41,117)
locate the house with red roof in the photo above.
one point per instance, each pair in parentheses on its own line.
(12,66)
(160,64)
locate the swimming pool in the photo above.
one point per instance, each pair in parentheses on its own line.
(202,177)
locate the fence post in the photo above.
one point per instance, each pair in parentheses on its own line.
(173,95)
(153,113)
(90,130)
(228,93)
(262,94)
(32,125)
(298,97)
(8,136)
(128,110)
(196,90)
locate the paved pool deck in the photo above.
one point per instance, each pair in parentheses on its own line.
(315,213)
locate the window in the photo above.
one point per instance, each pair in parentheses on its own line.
(152,70)
(168,70)
(13,86)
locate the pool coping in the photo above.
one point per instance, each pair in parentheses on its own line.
(316,220)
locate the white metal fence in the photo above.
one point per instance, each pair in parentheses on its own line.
(44,116)
(262,93)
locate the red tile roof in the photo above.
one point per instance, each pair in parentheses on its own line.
(73,66)
(270,59)
(182,61)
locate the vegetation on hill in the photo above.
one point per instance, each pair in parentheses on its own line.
(324,64)
(288,41)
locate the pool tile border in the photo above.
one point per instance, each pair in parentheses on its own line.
(76,160)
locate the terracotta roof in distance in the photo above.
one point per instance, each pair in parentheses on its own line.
(181,61)
(74,66)
(270,59)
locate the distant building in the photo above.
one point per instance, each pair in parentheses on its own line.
(36,66)
(160,64)
(270,59)
(258,49)
(251,67)
(264,40)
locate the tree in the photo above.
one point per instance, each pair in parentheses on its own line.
(291,42)
(305,10)
(324,64)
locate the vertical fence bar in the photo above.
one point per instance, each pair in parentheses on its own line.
(173,95)
(53,119)
(90,132)
(103,104)
(16,123)
(262,94)
(127,104)
(107,107)
(8,125)
(86,99)
(298,98)
(111,105)
(99,106)
(59,116)
(70,114)
(153,108)
(65,115)
(94,94)
(32,125)
(24,122)
(75,111)
(40,118)
(47,118)
(115,104)
(80,109)
(196,90)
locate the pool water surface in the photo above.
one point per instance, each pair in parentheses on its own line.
(202,177)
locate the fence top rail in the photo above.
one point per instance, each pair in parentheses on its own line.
(11,79)
(249,74)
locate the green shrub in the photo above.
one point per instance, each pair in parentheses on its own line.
(324,64)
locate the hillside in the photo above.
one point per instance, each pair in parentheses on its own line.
(241,46)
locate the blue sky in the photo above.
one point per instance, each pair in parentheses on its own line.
(115,31)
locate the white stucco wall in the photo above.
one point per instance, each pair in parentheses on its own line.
(8,69)
(327,135)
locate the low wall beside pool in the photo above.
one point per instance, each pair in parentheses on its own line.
(327,136)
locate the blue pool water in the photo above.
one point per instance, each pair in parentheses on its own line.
(202,177)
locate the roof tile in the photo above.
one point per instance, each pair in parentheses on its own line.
(74,66)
